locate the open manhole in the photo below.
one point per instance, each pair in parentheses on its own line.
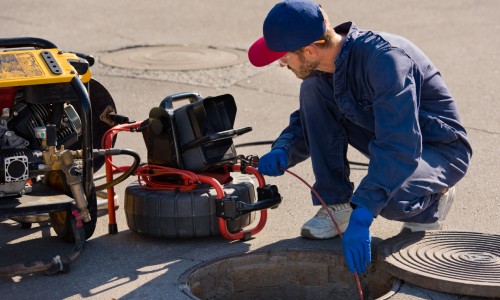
(287,274)
(463,263)
(173,58)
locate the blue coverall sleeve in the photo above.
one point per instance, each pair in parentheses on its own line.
(293,141)
(397,145)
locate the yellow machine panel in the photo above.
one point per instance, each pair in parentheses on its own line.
(39,66)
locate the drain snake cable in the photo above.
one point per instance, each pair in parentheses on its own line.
(147,172)
(191,178)
(187,176)
(358,283)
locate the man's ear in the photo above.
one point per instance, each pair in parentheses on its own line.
(310,51)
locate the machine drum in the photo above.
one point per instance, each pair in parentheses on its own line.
(184,214)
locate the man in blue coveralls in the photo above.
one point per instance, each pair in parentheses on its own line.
(383,96)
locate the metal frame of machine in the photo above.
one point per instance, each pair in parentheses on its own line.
(48,79)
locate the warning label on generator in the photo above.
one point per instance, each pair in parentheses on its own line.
(19,65)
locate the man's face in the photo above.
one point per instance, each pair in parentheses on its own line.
(300,66)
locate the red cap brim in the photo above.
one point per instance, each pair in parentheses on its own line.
(260,55)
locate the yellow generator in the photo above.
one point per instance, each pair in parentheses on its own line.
(52,115)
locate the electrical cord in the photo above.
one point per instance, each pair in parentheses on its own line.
(358,283)
(260,143)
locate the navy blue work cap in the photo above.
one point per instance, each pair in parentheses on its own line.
(289,26)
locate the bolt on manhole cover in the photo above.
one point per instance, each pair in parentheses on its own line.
(464,263)
(173,58)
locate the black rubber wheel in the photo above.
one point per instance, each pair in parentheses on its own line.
(60,221)
(184,214)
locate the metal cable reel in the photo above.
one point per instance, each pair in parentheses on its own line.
(197,139)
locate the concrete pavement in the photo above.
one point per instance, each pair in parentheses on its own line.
(460,36)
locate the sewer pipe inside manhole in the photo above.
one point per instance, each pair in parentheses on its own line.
(286,274)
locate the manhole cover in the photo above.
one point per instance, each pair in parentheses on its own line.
(287,274)
(173,58)
(464,263)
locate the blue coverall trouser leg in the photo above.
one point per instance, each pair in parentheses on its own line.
(440,166)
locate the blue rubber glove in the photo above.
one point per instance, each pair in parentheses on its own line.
(357,240)
(270,162)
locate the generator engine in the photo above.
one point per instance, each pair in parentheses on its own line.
(23,130)
(53,116)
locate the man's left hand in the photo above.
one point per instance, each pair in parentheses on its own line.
(356,240)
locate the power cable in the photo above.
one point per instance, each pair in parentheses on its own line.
(269,142)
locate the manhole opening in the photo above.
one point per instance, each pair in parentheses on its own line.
(290,274)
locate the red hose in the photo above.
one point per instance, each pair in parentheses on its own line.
(190,181)
(146,175)
(245,234)
(358,283)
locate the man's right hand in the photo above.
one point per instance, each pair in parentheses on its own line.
(270,163)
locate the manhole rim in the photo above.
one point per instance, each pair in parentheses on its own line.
(184,277)
(240,53)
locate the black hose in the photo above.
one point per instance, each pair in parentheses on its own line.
(57,264)
(254,144)
(86,119)
(125,175)
(259,143)
(358,163)
(98,177)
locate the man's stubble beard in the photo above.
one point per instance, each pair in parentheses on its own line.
(306,67)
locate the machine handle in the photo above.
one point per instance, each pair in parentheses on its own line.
(231,208)
(39,43)
(167,102)
(266,191)
(26,42)
(216,137)
(89,58)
